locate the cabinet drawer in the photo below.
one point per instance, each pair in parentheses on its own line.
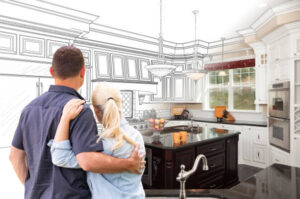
(209,149)
(259,154)
(260,137)
(279,158)
(215,163)
(215,182)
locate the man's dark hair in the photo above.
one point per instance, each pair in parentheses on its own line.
(67,62)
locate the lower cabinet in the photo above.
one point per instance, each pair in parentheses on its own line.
(222,156)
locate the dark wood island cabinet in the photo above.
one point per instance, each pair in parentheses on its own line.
(164,160)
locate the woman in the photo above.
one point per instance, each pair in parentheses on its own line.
(118,138)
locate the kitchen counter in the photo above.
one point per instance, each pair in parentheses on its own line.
(237,122)
(276,182)
(165,140)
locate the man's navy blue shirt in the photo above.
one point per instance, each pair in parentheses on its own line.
(37,125)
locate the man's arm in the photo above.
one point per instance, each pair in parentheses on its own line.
(17,158)
(102,163)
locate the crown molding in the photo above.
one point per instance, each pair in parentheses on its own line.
(284,8)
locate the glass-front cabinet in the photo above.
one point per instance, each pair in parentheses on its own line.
(144,73)
(175,87)
(132,68)
(118,67)
(102,65)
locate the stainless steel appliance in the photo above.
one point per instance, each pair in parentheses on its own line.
(279,100)
(279,132)
(279,111)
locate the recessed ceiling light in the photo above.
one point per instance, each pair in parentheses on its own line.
(262,5)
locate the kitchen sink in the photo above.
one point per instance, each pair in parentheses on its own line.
(194,129)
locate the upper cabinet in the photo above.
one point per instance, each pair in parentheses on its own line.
(144,73)
(132,68)
(102,66)
(179,88)
(174,88)
(32,46)
(8,43)
(118,67)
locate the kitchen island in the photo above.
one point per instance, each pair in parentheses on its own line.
(164,158)
(275,182)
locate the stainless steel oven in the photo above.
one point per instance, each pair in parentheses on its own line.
(279,100)
(279,133)
(279,111)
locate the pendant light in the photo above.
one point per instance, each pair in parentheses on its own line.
(222,73)
(162,69)
(198,70)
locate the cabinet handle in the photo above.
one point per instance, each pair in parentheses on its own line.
(37,89)
(258,137)
(212,166)
(42,88)
(212,186)
(276,160)
(258,154)
(213,149)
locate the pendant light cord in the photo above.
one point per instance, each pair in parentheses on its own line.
(161,53)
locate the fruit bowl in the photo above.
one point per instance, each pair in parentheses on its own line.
(157,124)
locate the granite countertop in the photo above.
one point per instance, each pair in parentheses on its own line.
(275,182)
(165,140)
(237,122)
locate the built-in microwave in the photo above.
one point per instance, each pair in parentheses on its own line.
(279,100)
(279,133)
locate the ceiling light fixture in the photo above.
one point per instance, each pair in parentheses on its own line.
(162,69)
(222,73)
(197,71)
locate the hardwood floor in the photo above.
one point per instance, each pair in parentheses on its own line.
(246,171)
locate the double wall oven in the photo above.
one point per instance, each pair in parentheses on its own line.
(279,112)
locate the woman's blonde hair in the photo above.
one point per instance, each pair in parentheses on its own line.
(108,100)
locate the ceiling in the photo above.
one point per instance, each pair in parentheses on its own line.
(216,19)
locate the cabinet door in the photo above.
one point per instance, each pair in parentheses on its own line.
(179,88)
(17,92)
(259,154)
(85,90)
(160,88)
(261,84)
(246,145)
(45,84)
(296,143)
(144,73)
(102,65)
(231,160)
(187,158)
(132,68)
(118,67)
(168,88)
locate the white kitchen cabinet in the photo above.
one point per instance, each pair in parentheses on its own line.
(259,154)
(261,86)
(296,157)
(278,156)
(144,73)
(179,88)
(118,66)
(102,65)
(132,68)
(17,92)
(159,96)
(253,146)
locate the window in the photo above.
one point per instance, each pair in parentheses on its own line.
(236,90)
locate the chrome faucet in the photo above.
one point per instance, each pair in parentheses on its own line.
(184,175)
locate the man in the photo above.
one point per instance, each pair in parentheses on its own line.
(30,155)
